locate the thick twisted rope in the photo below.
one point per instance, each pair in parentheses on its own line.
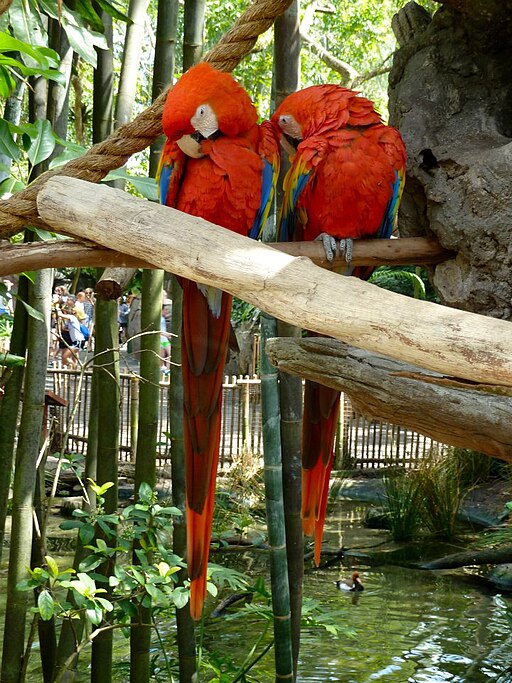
(134,136)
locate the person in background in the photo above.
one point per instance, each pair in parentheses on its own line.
(80,309)
(6,301)
(89,303)
(122,318)
(71,336)
(165,336)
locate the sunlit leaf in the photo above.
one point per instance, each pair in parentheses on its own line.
(26,23)
(45,605)
(44,144)
(7,144)
(52,566)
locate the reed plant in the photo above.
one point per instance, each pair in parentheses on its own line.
(442,492)
(403,491)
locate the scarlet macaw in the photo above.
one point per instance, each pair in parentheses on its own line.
(345,181)
(219,164)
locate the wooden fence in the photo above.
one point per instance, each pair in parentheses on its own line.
(361,443)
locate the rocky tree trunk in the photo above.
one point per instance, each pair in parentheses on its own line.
(451,97)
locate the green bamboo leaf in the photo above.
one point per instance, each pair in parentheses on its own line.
(8,146)
(44,144)
(45,605)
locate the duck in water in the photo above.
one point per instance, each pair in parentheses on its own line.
(355,585)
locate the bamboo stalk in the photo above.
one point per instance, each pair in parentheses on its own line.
(10,403)
(184,623)
(108,453)
(25,478)
(145,462)
(275,508)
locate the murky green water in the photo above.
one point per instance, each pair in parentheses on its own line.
(410,626)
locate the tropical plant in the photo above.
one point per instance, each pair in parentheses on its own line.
(403,493)
(442,493)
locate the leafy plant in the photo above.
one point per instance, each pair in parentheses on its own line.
(403,493)
(442,493)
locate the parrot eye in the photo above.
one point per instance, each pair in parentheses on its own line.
(201,111)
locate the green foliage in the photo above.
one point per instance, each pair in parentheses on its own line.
(403,493)
(35,61)
(442,495)
(407,280)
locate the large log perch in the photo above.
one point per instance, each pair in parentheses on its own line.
(16,258)
(449,412)
(293,289)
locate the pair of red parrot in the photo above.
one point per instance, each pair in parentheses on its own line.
(345,181)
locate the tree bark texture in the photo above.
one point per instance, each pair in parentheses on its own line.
(17,258)
(452,413)
(451,98)
(435,337)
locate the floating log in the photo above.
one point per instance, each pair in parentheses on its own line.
(441,339)
(478,417)
(470,558)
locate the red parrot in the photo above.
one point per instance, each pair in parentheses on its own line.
(346,180)
(219,164)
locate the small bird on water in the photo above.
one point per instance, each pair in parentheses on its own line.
(354,585)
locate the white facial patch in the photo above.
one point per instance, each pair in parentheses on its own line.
(289,125)
(205,121)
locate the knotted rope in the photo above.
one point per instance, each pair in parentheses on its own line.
(132,137)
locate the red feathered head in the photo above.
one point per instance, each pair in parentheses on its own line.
(207,102)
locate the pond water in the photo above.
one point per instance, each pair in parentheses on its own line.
(409,626)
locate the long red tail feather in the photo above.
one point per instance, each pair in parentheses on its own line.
(204,349)
(320,419)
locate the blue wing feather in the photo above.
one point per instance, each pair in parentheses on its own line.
(268,184)
(388,222)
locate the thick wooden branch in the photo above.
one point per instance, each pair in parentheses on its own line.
(17,258)
(477,417)
(113,282)
(445,340)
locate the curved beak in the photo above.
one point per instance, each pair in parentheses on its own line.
(191,145)
(290,144)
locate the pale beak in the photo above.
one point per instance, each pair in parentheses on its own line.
(190,146)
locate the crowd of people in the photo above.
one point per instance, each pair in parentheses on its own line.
(72,322)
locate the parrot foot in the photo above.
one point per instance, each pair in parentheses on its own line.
(329,244)
(346,247)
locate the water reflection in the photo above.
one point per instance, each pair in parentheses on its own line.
(411,626)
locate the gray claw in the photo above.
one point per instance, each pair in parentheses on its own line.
(329,244)
(346,246)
